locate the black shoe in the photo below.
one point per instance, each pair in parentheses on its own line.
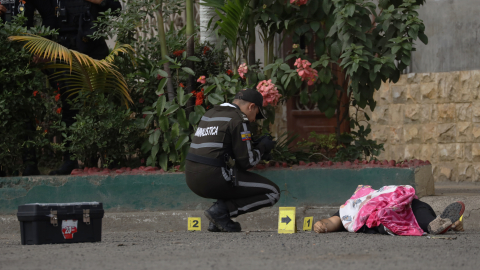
(213,228)
(66,168)
(450,215)
(218,214)
(31,170)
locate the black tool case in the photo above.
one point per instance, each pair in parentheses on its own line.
(54,223)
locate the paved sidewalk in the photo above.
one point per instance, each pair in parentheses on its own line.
(158,240)
(253,250)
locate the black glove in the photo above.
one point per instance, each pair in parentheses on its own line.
(266,145)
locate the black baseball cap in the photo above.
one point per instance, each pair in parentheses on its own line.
(252,95)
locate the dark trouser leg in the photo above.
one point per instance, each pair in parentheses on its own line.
(423,213)
(254,191)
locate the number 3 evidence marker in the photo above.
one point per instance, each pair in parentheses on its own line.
(194,224)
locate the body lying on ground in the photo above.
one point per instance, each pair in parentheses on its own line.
(393,210)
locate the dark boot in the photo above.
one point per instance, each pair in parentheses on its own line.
(67,167)
(219,215)
(213,228)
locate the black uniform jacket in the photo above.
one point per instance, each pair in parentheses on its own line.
(225,129)
(47,11)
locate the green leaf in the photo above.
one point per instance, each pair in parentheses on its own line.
(161,105)
(182,118)
(377,68)
(284,67)
(194,118)
(188,70)
(335,50)
(175,130)
(327,4)
(315,25)
(396,48)
(161,72)
(210,88)
(264,17)
(156,137)
(181,141)
(172,109)
(163,123)
(163,161)
(199,110)
(350,8)
(194,59)
(423,38)
(160,87)
(214,99)
(330,112)
(155,149)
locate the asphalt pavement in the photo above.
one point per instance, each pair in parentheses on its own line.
(247,250)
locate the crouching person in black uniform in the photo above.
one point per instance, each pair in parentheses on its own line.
(219,156)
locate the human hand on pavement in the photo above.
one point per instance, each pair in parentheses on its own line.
(458,226)
(320,227)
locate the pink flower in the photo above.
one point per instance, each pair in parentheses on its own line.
(269,92)
(242,70)
(305,71)
(202,80)
(298,2)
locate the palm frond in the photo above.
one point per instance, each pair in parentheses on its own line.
(121,48)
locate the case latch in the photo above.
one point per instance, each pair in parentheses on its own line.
(86,216)
(53,218)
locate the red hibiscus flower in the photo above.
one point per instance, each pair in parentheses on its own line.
(205,50)
(200,97)
(59,110)
(181,85)
(178,53)
(141,100)
(35,93)
(229,72)
(159,77)
(57,97)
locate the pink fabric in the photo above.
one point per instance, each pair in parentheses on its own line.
(389,206)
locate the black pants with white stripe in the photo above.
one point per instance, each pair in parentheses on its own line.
(252,193)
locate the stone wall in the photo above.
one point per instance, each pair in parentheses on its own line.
(432,116)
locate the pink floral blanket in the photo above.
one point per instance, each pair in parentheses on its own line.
(389,206)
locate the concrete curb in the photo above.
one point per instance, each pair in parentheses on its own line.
(300,186)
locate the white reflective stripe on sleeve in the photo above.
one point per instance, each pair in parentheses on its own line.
(225,174)
(206,145)
(252,161)
(213,119)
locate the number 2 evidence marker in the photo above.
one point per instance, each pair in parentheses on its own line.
(194,224)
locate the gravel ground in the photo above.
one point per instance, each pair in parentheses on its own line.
(246,250)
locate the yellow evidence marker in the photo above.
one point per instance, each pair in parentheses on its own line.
(194,224)
(307,223)
(286,220)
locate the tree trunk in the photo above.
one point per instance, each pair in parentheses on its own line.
(206,13)
(251,37)
(163,51)
(190,31)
